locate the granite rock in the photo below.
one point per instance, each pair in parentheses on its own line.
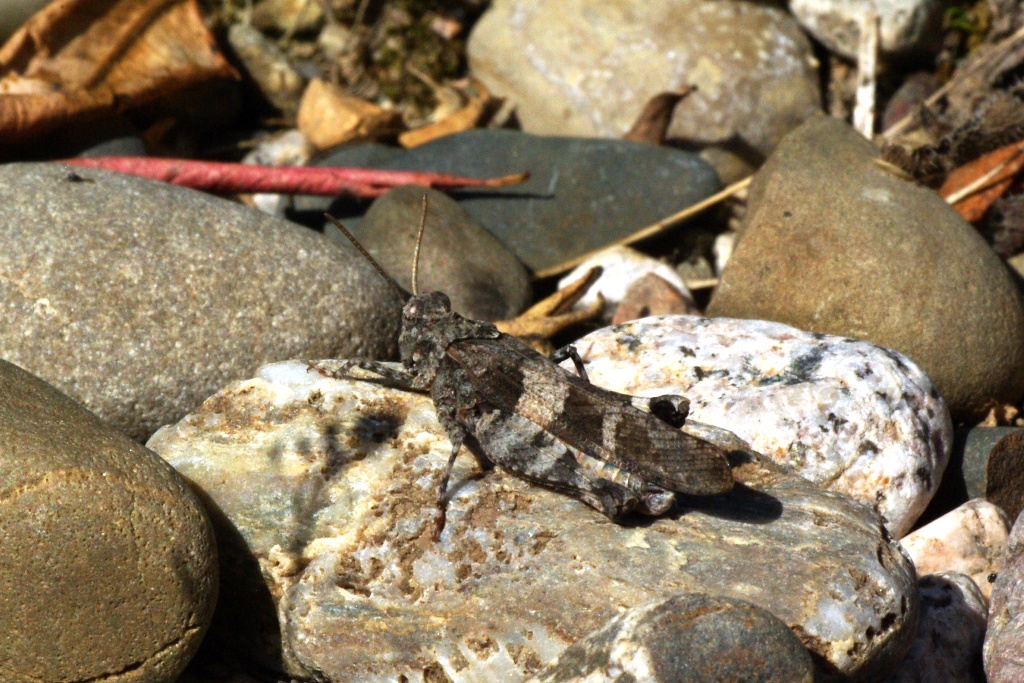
(588,68)
(109,564)
(950,633)
(905,27)
(970,540)
(833,243)
(582,194)
(854,417)
(140,299)
(458,257)
(328,488)
(688,638)
(1004,639)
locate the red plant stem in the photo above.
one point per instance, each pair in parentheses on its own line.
(228,178)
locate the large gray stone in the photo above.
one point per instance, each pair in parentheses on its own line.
(326,492)
(458,257)
(579,67)
(582,194)
(109,565)
(834,243)
(950,633)
(140,299)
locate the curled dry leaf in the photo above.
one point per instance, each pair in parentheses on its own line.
(479,108)
(975,186)
(329,116)
(545,319)
(81,58)
(652,123)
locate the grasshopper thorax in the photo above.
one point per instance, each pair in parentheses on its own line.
(429,326)
(422,344)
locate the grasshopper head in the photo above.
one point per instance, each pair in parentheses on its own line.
(422,343)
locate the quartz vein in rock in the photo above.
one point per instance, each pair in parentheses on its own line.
(329,486)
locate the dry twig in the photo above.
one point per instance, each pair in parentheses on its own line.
(652,229)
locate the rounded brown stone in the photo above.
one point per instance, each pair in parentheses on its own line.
(834,243)
(109,565)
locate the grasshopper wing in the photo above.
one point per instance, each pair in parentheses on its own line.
(602,424)
(528,451)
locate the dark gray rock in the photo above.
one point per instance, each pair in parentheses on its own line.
(833,243)
(1004,639)
(986,462)
(582,193)
(689,638)
(458,257)
(327,491)
(140,299)
(109,564)
(950,633)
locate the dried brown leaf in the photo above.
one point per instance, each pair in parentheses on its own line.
(973,187)
(81,58)
(475,113)
(543,320)
(652,123)
(329,116)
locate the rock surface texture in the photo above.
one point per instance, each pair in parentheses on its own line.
(904,26)
(1004,639)
(622,268)
(140,299)
(458,257)
(970,540)
(688,637)
(876,258)
(856,418)
(588,68)
(109,564)
(582,193)
(330,486)
(950,633)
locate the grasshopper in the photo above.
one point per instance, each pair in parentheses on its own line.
(517,409)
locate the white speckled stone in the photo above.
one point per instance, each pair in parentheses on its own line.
(287,149)
(849,415)
(950,633)
(971,540)
(903,25)
(622,267)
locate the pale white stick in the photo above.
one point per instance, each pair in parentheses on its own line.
(867,65)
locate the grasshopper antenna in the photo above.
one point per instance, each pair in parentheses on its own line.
(362,250)
(416,252)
